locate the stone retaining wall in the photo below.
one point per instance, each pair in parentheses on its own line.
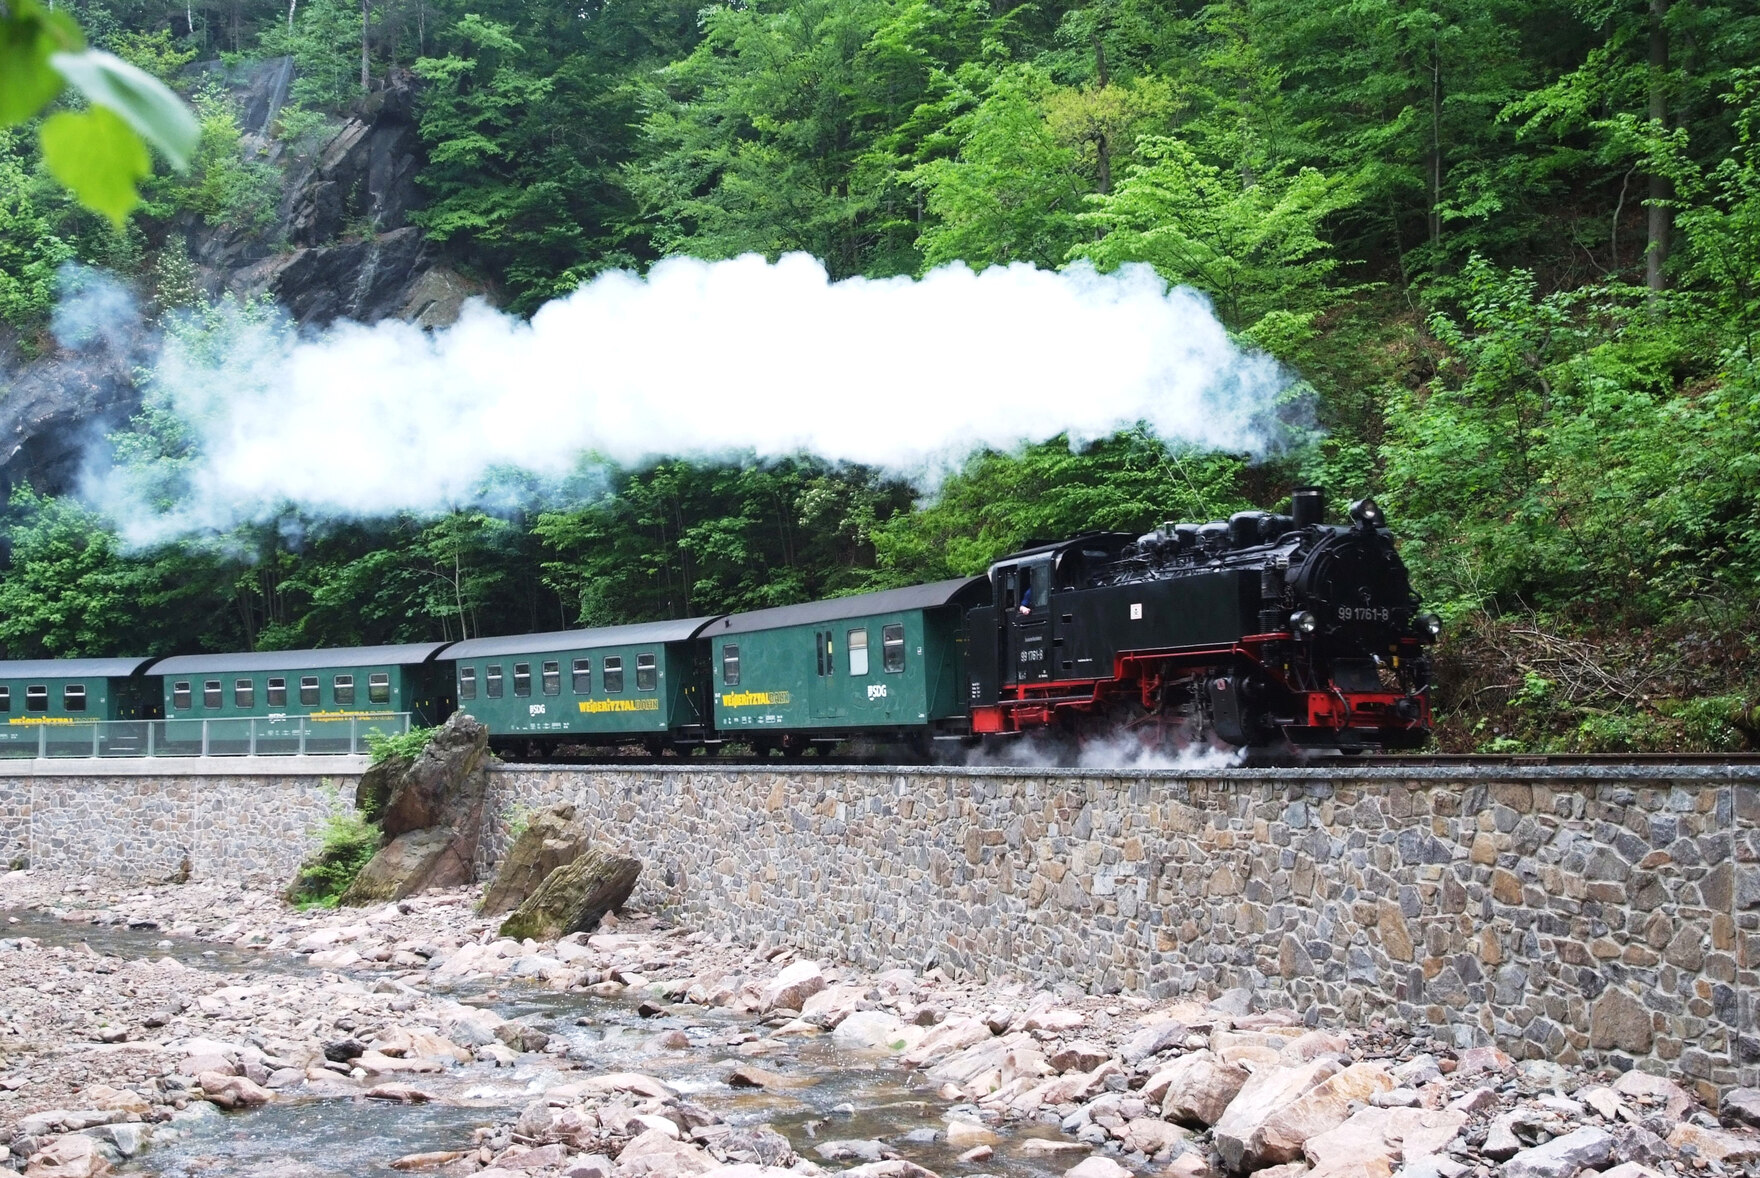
(195,824)
(1583,915)
(1580,915)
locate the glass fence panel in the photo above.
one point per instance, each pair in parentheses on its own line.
(243,736)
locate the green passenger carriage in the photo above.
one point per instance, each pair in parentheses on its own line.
(611,685)
(293,701)
(57,706)
(888,664)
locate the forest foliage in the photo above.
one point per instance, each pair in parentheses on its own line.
(1511,248)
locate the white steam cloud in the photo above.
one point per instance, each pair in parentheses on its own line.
(694,359)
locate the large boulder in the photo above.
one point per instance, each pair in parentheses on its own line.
(431,811)
(434,858)
(443,786)
(551,839)
(575,897)
(1278,1109)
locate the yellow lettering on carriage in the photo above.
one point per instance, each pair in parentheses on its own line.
(650,704)
(754,699)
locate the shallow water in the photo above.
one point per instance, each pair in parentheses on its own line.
(843,1094)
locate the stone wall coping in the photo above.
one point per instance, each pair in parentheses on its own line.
(1675,774)
(98,768)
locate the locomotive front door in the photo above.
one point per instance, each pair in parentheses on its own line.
(1026,605)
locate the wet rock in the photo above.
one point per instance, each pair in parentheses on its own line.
(891,1168)
(854,1150)
(432,1160)
(233,1091)
(1563,1156)
(876,1029)
(552,838)
(752,1076)
(654,1154)
(978,1153)
(575,897)
(963,1134)
(790,989)
(1150,1135)
(1097,1167)
(397,1094)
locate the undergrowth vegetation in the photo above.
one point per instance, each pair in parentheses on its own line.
(348,841)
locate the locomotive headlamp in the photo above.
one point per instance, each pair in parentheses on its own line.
(1304,622)
(1368,513)
(1430,625)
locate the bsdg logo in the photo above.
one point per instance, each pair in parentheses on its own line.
(876,691)
(537,709)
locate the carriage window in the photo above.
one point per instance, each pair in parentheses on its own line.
(210,693)
(647,672)
(308,690)
(342,689)
(5,699)
(552,678)
(730,665)
(73,698)
(827,652)
(583,676)
(276,696)
(244,693)
(492,681)
(467,683)
(892,647)
(858,652)
(180,696)
(36,697)
(379,687)
(613,675)
(819,649)
(522,679)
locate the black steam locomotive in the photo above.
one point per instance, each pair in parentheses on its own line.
(1259,630)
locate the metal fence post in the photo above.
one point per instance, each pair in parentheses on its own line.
(304,727)
(42,741)
(354,731)
(253,736)
(149,724)
(204,738)
(95,728)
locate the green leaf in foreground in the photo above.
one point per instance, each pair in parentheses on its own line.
(141,100)
(27,39)
(99,157)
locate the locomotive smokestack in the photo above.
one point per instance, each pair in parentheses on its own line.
(1308,506)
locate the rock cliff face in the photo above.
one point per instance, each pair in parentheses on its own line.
(340,247)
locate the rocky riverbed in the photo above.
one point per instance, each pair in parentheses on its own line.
(202,1029)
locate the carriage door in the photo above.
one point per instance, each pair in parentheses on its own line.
(1026,603)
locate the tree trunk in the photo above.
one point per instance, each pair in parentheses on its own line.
(1435,145)
(1656,251)
(366,12)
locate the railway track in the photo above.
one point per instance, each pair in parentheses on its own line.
(1388,761)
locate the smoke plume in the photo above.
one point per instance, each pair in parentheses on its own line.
(695,359)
